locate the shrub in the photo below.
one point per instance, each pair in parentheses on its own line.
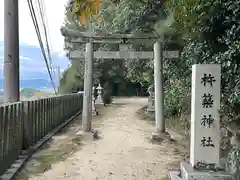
(107,98)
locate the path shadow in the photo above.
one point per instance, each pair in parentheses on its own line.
(117,104)
(72,125)
(59,148)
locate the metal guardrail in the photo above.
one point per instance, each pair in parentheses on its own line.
(23,124)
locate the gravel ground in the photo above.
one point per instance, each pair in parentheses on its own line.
(123,152)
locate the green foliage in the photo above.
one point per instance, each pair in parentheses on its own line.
(210,34)
(206,31)
(107,92)
(28,92)
(233,163)
(118,17)
(71,81)
(175,99)
(107,99)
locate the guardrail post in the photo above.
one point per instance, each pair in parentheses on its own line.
(1,134)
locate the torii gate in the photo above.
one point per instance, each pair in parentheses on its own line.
(158,54)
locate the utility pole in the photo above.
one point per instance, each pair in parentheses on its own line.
(158,87)
(11,51)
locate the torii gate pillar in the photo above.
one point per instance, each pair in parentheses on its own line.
(87,98)
(158,88)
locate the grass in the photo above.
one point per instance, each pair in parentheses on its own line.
(173,123)
(44,160)
(166,178)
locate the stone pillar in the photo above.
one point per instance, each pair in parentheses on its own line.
(99,92)
(205,120)
(205,126)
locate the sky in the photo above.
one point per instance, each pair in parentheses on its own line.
(32,64)
(55,15)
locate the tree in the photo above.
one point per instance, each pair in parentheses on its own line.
(209,33)
(71,81)
(130,17)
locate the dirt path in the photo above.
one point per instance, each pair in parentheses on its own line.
(123,152)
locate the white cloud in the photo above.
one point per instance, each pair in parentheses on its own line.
(55,16)
(25,58)
(29,69)
(21,58)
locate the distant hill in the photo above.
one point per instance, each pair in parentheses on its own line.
(28,92)
(38,84)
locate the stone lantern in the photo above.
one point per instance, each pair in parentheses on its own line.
(99,92)
(151,99)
